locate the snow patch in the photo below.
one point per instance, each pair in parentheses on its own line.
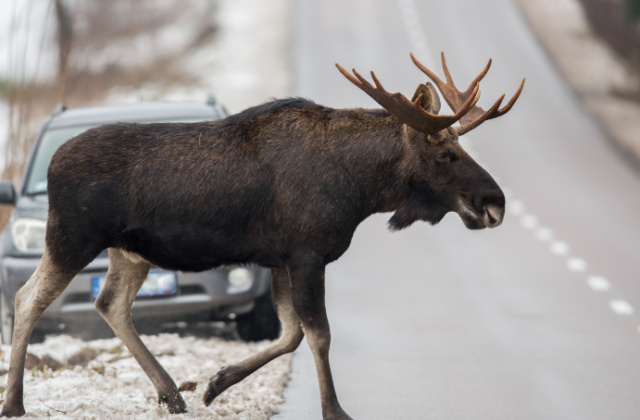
(113,386)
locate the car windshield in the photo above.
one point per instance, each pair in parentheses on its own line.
(51,140)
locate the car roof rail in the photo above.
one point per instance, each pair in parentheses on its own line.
(59,109)
(211,100)
(214,103)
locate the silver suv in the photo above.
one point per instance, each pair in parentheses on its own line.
(240,293)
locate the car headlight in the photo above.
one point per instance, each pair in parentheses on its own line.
(240,279)
(28,235)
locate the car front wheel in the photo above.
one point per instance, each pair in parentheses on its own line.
(261,323)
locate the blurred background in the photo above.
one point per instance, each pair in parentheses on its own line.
(88,53)
(537,317)
(618,23)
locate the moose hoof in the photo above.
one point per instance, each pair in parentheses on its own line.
(174,405)
(338,414)
(12,411)
(211,392)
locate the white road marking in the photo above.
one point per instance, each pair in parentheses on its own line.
(529,221)
(559,248)
(621,307)
(599,283)
(577,265)
(544,234)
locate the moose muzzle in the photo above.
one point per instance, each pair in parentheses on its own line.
(486,210)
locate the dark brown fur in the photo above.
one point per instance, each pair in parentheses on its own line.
(283,185)
(255,187)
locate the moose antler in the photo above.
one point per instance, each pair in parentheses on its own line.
(456,99)
(411,113)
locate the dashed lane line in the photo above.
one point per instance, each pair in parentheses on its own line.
(621,307)
(599,283)
(574,264)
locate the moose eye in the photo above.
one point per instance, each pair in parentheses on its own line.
(443,157)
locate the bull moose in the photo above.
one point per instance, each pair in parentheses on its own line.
(283,185)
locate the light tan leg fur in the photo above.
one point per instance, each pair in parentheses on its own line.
(289,341)
(44,286)
(125,276)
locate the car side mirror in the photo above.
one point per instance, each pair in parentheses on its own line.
(7,193)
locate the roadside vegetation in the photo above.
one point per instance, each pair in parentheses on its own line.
(618,23)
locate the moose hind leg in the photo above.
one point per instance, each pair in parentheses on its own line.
(307,293)
(289,341)
(44,286)
(125,276)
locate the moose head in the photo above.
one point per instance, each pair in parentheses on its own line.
(445,177)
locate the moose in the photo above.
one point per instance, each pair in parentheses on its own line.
(283,185)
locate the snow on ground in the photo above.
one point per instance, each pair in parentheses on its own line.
(113,386)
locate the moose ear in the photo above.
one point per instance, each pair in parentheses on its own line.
(430,100)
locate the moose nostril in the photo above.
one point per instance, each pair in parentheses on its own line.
(493,215)
(488,198)
(492,220)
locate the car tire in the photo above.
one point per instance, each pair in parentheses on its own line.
(261,323)
(6,321)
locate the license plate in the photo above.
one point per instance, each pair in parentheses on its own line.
(162,283)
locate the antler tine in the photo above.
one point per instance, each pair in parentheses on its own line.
(349,76)
(473,82)
(469,123)
(470,104)
(429,73)
(446,69)
(476,115)
(513,100)
(377,82)
(452,95)
(490,113)
(410,113)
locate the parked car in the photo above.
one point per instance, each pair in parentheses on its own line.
(240,293)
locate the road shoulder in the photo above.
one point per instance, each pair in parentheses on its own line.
(594,71)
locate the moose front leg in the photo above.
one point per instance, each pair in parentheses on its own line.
(44,286)
(307,293)
(289,341)
(125,276)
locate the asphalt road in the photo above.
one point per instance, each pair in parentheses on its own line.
(537,319)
